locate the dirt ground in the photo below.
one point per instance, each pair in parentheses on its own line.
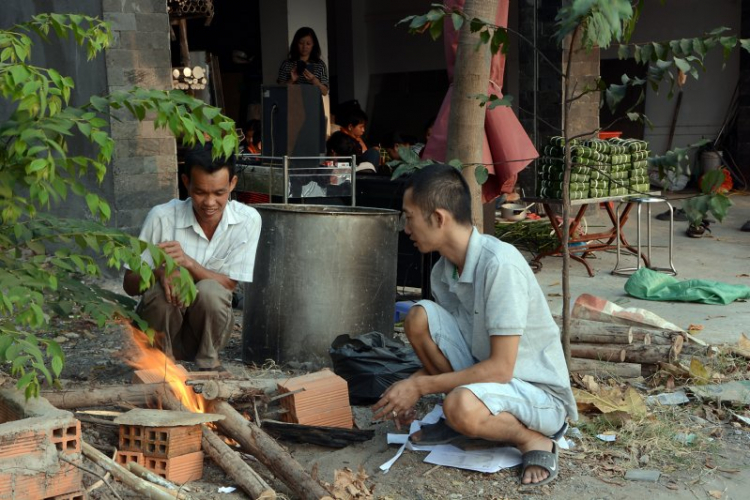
(715,465)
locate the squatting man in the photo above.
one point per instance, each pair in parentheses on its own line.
(488,340)
(215,240)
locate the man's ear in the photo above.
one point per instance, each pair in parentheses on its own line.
(185,181)
(440,217)
(232,183)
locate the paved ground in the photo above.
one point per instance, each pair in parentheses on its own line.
(723,255)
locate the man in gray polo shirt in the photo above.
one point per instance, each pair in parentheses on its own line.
(488,340)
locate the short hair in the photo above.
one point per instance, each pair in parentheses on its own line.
(342,144)
(200,157)
(390,140)
(294,46)
(441,186)
(353,117)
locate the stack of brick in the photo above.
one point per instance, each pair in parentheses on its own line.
(322,400)
(173,453)
(34,435)
(553,168)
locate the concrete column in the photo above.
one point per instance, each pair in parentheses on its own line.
(144,168)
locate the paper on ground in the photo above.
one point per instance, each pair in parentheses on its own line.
(486,460)
(489,460)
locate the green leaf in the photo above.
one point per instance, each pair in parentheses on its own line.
(458,21)
(682,64)
(481,174)
(57,366)
(436,28)
(623,52)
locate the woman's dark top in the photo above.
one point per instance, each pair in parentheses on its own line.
(317,68)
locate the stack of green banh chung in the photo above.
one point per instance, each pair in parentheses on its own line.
(599,168)
(636,154)
(552,170)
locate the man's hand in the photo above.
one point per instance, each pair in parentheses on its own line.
(174,250)
(169,291)
(397,402)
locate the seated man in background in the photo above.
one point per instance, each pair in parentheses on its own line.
(215,239)
(488,340)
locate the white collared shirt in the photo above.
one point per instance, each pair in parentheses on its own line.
(231,250)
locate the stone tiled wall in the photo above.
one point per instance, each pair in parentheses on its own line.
(145,163)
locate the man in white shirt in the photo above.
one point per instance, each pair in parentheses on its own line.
(488,340)
(215,240)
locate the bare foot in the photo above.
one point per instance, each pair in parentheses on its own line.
(533,473)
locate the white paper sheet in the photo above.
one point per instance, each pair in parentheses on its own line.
(485,460)
(488,460)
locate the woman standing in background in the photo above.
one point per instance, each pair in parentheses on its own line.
(304,66)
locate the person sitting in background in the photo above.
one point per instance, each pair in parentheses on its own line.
(304,65)
(353,124)
(392,141)
(341,144)
(215,240)
(252,137)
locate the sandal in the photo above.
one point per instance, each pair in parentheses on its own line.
(437,433)
(547,460)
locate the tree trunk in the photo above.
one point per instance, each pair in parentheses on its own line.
(596,367)
(466,119)
(236,468)
(566,94)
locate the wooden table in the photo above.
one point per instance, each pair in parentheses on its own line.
(592,242)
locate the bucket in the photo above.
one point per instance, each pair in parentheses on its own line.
(711,160)
(320,272)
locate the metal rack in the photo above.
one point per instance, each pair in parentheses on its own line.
(273,174)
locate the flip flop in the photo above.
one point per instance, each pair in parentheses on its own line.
(547,460)
(437,433)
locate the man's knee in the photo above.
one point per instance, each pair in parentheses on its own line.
(211,296)
(416,326)
(464,411)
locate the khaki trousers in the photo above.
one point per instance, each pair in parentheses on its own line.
(197,332)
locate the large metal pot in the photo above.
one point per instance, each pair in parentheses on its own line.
(320,271)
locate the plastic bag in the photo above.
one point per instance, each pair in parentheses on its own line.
(651,285)
(370,363)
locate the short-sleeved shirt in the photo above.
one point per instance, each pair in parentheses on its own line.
(231,250)
(497,294)
(317,68)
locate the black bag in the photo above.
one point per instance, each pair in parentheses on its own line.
(370,363)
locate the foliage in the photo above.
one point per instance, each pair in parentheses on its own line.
(43,258)
(713,198)
(410,161)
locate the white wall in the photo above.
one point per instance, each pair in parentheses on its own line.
(311,13)
(704,101)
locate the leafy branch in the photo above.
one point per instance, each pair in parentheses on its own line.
(45,260)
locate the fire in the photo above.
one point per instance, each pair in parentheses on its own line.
(147,357)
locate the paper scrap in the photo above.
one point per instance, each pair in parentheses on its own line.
(488,460)
(227,489)
(668,399)
(607,438)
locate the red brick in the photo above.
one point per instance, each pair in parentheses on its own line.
(78,495)
(163,442)
(43,485)
(67,438)
(180,469)
(323,401)
(125,457)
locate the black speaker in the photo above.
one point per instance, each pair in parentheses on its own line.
(293,121)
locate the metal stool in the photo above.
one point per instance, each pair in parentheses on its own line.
(627,271)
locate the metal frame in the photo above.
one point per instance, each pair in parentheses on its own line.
(283,162)
(627,271)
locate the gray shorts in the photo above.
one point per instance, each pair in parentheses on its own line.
(532,406)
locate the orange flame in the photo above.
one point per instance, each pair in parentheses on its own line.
(145,356)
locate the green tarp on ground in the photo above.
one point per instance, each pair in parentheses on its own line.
(652,285)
